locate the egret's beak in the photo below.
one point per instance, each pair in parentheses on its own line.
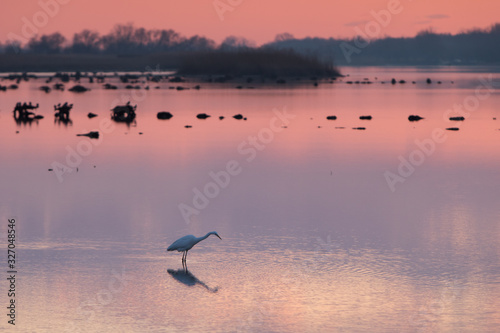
(218,236)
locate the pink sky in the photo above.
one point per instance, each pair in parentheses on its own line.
(257,20)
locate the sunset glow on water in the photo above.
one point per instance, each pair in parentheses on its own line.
(324,227)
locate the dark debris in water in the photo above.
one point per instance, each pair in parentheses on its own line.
(92,135)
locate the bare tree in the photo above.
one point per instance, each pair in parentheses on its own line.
(86,41)
(47,43)
(283,37)
(235,43)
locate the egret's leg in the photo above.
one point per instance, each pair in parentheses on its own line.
(186,255)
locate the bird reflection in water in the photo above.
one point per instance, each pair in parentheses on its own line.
(184,276)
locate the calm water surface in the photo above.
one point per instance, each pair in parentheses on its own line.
(324,228)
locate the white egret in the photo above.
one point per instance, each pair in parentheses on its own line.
(184,244)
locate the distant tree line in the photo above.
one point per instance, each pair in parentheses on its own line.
(478,46)
(473,47)
(123,39)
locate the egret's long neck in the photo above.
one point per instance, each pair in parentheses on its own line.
(204,237)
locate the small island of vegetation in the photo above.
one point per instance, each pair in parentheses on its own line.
(264,62)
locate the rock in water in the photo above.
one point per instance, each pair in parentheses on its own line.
(164,115)
(78,89)
(414,118)
(202,116)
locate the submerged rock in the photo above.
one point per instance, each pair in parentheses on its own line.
(78,89)
(238,116)
(59,86)
(110,86)
(365,117)
(359,128)
(91,115)
(45,89)
(202,116)
(331,117)
(188,126)
(415,118)
(164,115)
(452,128)
(176,79)
(457,118)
